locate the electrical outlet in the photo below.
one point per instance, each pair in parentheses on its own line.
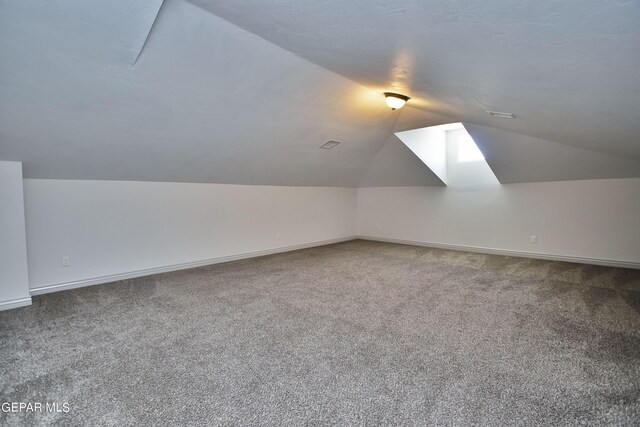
(277,236)
(534,238)
(65,261)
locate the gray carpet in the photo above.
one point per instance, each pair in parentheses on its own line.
(357,333)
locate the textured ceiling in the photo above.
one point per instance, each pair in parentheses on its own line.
(518,158)
(205,102)
(117,90)
(567,69)
(113,30)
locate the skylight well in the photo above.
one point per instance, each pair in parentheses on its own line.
(468,151)
(451,154)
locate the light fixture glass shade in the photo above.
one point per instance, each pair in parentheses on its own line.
(395,100)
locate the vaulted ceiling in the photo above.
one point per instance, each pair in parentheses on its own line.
(246,91)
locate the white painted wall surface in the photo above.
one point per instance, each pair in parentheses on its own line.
(596,219)
(14,282)
(108,228)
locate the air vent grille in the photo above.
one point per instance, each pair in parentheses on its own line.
(502,115)
(329,145)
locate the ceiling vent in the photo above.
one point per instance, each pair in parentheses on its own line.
(329,145)
(502,115)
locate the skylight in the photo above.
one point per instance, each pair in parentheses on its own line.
(468,151)
(451,154)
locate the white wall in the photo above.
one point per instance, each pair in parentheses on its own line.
(596,220)
(116,229)
(14,282)
(108,228)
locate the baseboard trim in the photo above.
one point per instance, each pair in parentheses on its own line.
(175,267)
(506,252)
(15,303)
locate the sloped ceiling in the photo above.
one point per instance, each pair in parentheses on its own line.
(567,69)
(146,90)
(518,158)
(396,165)
(113,30)
(205,102)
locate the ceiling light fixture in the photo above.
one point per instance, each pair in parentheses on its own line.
(395,100)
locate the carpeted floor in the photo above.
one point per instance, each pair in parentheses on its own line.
(357,333)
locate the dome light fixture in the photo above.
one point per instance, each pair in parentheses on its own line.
(395,100)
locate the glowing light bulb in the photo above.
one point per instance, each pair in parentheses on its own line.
(395,100)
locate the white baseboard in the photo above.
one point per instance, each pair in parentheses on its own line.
(139,273)
(20,302)
(507,252)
